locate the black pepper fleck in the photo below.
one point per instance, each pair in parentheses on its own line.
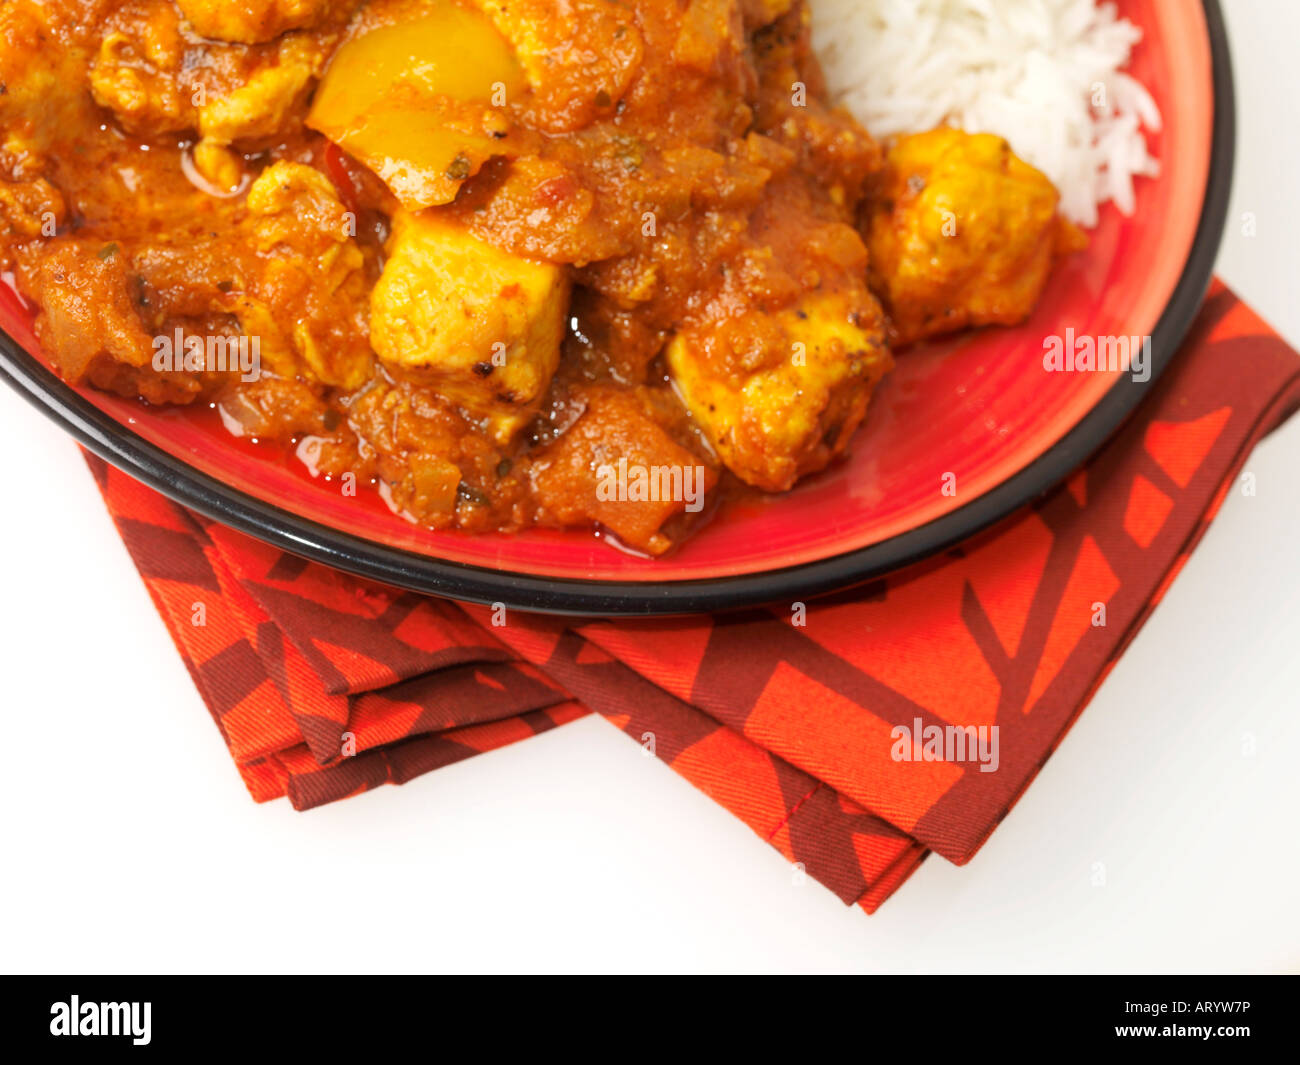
(459,169)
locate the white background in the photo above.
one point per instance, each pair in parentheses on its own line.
(129,844)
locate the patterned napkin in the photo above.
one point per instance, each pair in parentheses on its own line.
(900,717)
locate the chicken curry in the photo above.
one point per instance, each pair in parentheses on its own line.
(489,250)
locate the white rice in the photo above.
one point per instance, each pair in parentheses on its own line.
(1045,74)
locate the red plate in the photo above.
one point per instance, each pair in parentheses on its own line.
(982,409)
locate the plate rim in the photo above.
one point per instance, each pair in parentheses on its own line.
(103,435)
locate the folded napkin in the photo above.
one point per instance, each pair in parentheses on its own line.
(828,733)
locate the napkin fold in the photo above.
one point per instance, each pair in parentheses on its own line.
(854,733)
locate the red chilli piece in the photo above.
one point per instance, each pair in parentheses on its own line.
(336,168)
(554,191)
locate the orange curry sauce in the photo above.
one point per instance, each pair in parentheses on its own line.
(484,252)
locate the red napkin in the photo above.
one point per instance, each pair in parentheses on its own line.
(829,738)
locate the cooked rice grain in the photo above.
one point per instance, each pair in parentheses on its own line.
(1046,74)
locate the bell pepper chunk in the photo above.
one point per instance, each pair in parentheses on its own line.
(421,101)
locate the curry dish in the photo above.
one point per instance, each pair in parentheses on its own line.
(488,249)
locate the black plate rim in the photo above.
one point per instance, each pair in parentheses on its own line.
(108,439)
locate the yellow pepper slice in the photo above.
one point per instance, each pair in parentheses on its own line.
(421,102)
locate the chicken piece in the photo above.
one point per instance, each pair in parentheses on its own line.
(306,306)
(479,325)
(288,291)
(158,81)
(961,233)
(258,109)
(42,84)
(288,285)
(256,21)
(618,467)
(31,209)
(779,395)
(134,73)
(580,57)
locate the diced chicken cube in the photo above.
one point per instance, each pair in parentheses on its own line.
(780,395)
(480,325)
(580,57)
(258,109)
(962,232)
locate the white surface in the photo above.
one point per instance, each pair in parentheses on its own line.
(130,845)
